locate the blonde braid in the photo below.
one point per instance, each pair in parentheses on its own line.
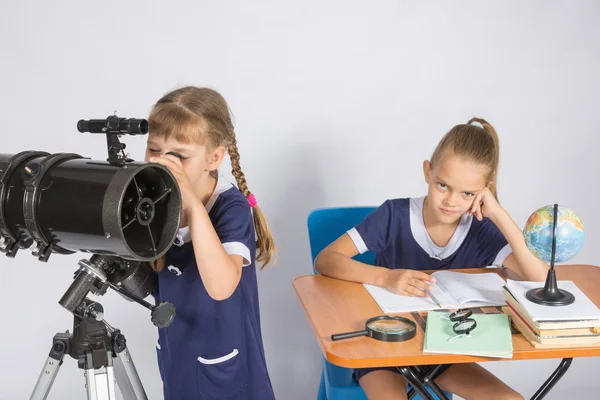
(265,245)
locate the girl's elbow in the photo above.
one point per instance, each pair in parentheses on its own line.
(223,290)
(220,294)
(538,274)
(319,264)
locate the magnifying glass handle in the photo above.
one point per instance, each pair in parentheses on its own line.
(348,335)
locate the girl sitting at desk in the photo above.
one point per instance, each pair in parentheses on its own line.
(435,232)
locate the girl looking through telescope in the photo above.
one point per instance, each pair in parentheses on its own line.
(214,346)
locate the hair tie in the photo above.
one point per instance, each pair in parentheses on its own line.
(477,124)
(252,200)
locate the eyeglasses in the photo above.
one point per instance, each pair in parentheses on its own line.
(463,324)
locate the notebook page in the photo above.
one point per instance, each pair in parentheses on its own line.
(472,290)
(394,303)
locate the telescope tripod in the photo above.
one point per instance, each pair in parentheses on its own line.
(100,351)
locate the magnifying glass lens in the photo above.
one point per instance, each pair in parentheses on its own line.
(385,328)
(390,326)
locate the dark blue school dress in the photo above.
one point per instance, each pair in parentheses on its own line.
(213,349)
(395,231)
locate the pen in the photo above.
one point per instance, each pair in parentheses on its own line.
(433,298)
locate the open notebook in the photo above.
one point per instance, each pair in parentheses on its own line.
(451,289)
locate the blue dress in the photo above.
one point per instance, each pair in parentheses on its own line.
(213,349)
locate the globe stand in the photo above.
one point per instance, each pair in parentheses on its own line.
(550,294)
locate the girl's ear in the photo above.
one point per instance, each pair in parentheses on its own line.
(490,185)
(215,158)
(427,170)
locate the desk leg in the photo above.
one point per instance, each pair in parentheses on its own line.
(435,389)
(554,378)
(415,381)
(429,380)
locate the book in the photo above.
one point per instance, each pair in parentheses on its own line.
(556,340)
(451,289)
(549,328)
(491,338)
(580,310)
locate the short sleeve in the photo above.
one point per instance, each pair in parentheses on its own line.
(234,226)
(374,232)
(492,246)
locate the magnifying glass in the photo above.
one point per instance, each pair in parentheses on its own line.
(386,328)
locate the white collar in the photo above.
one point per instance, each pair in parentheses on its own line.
(419,231)
(184,235)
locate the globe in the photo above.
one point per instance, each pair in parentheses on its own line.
(539,228)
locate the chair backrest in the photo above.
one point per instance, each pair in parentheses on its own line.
(325,225)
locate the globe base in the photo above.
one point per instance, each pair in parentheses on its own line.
(550,294)
(558,298)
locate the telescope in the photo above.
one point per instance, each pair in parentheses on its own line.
(65,203)
(123,213)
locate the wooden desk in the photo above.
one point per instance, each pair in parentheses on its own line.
(335,306)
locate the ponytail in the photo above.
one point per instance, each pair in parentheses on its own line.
(494,161)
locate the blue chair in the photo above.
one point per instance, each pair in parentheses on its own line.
(325,225)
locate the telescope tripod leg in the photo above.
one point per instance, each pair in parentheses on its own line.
(128,379)
(100,382)
(51,367)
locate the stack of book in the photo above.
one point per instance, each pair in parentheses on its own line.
(574,325)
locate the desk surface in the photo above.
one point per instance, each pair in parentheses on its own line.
(336,306)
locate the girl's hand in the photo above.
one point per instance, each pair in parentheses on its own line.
(188,196)
(485,205)
(408,282)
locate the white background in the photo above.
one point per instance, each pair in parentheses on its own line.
(336,103)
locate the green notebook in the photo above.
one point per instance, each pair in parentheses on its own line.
(491,338)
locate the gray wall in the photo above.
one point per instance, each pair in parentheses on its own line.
(336,103)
